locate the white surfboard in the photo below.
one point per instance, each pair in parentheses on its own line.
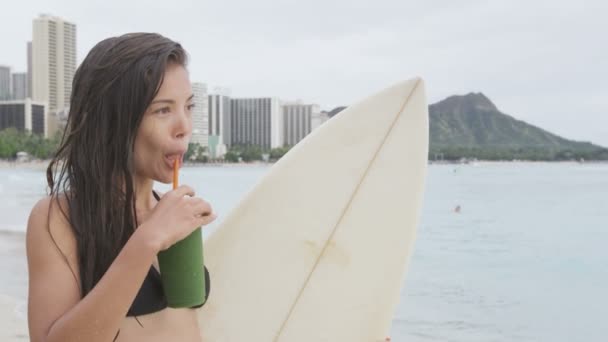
(318,249)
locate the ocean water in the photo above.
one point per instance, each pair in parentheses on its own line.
(525,259)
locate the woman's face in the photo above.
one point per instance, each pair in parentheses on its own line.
(166,127)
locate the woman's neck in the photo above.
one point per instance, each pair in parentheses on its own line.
(143,194)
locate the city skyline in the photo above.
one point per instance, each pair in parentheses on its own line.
(541,65)
(42,106)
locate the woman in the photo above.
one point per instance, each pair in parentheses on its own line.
(92,243)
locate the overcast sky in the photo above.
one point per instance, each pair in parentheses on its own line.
(544,62)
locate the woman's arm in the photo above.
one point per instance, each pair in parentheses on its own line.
(55,311)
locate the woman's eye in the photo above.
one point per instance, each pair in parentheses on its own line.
(190,106)
(164,110)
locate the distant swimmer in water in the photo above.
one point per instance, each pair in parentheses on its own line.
(457,209)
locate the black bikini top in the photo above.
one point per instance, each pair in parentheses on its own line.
(151,297)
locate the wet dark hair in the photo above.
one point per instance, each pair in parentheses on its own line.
(94,165)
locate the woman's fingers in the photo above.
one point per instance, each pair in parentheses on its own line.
(183,190)
(200,207)
(206,219)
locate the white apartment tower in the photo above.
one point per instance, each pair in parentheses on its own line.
(53,55)
(219,125)
(200,115)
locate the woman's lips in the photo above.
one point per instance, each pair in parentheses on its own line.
(170,159)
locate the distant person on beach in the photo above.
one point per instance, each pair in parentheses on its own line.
(92,244)
(457,209)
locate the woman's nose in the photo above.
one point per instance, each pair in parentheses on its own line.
(183,126)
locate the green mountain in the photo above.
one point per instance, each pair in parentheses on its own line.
(470,126)
(335,111)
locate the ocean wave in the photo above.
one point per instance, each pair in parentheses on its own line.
(12,230)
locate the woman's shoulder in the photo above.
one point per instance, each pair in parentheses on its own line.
(50,210)
(48,224)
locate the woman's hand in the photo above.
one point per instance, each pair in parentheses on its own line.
(175,216)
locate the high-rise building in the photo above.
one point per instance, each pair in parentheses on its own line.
(200,115)
(24,115)
(53,62)
(298,121)
(60,118)
(29,69)
(256,121)
(219,125)
(318,119)
(5,82)
(19,86)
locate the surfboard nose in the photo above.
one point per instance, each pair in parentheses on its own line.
(394,96)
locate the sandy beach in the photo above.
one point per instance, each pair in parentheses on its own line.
(14,324)
(33,164)
(13,305)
